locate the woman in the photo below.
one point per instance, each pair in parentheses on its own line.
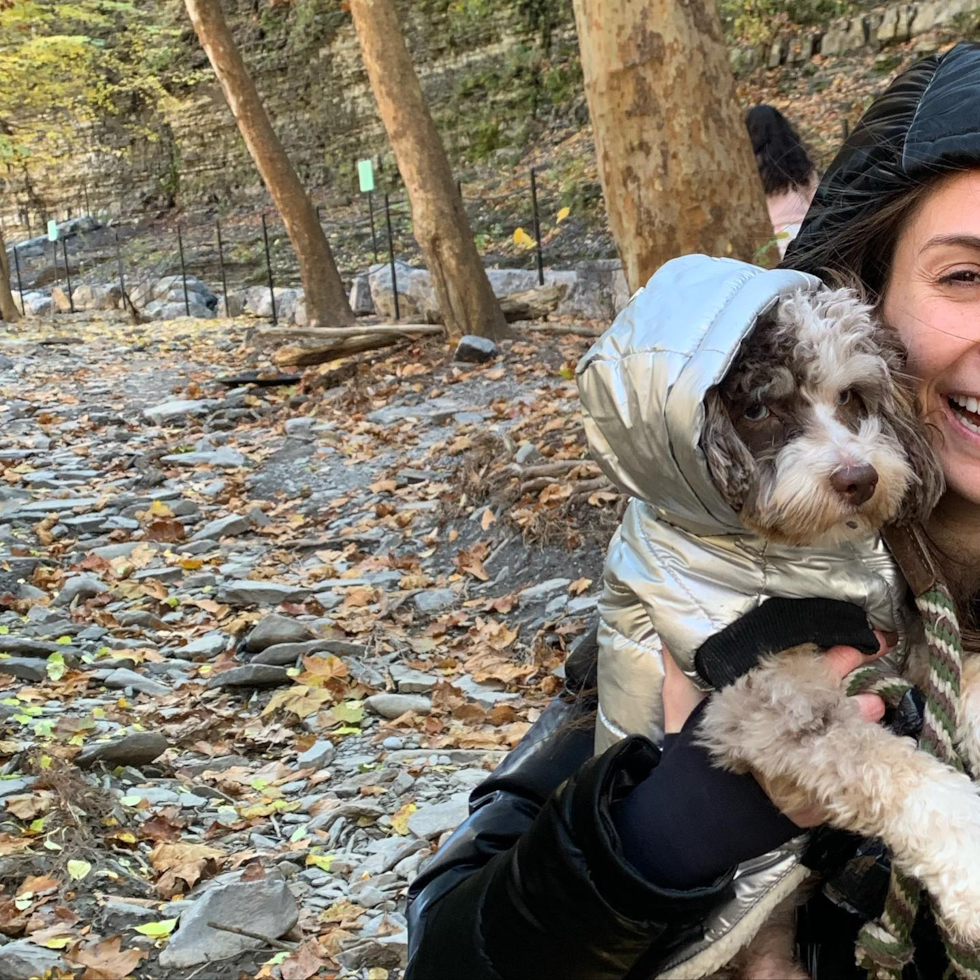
(789,176)
(585,867)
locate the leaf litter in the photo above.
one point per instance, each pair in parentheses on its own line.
(286,658)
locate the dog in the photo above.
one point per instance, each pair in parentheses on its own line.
(814,438)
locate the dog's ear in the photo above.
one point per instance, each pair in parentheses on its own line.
(729,461)
(903,414)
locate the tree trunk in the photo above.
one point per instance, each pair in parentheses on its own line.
(441,226)
(8,308)
(326,301)
(676,165)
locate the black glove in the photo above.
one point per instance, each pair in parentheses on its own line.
(688,823)
(779,624)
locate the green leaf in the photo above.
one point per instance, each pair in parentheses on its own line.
(78,869)
(351,712)
(56,667)
(321,861)
(157,930)
(64,641)
(131,800)
(4,630)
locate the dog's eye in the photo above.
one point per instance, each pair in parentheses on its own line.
(756,413)
(845,396)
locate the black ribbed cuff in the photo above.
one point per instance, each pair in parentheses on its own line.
(779,624)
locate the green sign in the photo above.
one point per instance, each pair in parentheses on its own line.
(365,173)
(52,231)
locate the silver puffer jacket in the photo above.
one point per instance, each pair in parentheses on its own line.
(681,567)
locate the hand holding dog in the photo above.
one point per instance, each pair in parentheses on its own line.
(681,697)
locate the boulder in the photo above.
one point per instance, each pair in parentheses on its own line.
(264,906)
(395,705)
(275,629)
(476,350)
(23,960)
(360,297)
(135,749)
(382,292)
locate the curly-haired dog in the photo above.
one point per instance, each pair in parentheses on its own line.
(814,437)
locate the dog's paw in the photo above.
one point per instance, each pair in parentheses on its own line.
(769,718)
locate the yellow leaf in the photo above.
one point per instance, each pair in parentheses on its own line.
(78,869)
(156,930)
(377,973)
(399,819)
(159,509)
(563,214)
(523,239)
(58,942)
(191,564)
(321,861)
(579,586)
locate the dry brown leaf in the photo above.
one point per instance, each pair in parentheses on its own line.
(183,863)
(303,963)
(487,519)
(166,529)
(107,961)
(579,586)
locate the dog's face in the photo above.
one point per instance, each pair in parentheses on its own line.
(814,434)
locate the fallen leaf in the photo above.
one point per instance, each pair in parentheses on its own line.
(399,819)
(78,869)
(562,215)
(156,930)
(303,963)
(580,585)
(107,961)
(522,239)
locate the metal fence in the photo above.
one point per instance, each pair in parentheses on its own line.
(240,245)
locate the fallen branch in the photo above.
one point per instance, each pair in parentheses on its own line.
(531,304)
(550,469)
(275,943)
(367,330)
(307,356)
(562,328)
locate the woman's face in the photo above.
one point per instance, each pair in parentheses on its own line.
(933,300)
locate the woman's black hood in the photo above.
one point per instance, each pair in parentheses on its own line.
(926,123)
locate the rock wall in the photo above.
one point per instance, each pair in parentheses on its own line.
(487,69)
(894,23)
(496,73)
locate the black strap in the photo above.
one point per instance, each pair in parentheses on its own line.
(777,625)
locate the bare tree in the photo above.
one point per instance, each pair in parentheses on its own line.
(441,226)
(326,302)
(8,308)
(675,161)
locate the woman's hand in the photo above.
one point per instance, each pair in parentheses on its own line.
(681,697)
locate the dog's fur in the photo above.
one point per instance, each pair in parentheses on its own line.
(788,720)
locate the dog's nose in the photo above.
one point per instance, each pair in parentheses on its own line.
(856,484)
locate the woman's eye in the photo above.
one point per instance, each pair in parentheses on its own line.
(968,276)
(756,413)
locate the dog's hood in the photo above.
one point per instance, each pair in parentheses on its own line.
(644,381)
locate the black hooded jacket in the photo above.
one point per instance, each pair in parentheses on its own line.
(534,885)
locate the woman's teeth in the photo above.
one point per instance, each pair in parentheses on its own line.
(967,410)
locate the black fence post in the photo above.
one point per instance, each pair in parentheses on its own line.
(20,285)
(374,236)
(391,256)
(268,265)
(64,250)
(221,263)
(183,270)
(54,257)
(88,207)
(537,227)
(122,277)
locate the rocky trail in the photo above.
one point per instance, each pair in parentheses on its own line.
(259,639)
